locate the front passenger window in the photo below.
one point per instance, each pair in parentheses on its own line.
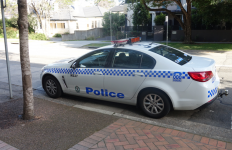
(95,60)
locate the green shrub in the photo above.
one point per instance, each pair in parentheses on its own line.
(12,33)
(90,38)
(160,19)
(37,36)
(57,35)
(121,35)
(66,33)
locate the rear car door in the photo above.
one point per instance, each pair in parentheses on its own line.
(87,77)
(126,73)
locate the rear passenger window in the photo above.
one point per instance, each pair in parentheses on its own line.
(127,59)
(147,62)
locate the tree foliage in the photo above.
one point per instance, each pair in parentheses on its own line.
(42,9)
(117,20)
(13,23)
(141,15)
(160,19)
(64,4)
(210,12)
(107,4)
(162,5)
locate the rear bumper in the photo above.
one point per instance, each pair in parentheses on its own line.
(209,102)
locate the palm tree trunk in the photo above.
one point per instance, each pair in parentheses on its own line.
(28,106)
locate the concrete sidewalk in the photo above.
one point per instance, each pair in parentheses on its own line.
(125,134)
(61,127)
(5,146)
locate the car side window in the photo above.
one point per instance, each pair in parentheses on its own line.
(96,59)
(147,62)
(172,54)
(126,59)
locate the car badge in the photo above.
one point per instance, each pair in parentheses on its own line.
(77,89)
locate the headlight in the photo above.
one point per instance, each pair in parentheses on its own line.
(42,70)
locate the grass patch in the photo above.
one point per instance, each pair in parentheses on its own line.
(96,45)
(201,46)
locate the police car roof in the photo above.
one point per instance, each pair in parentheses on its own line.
(139,46)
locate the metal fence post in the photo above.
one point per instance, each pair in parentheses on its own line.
(167,30)
(110,26)
(6,49)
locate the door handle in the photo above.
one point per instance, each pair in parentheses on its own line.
(138,74)
(97,73)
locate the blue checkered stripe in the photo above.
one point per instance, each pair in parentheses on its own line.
(212,92)
(164,74)
(118,72)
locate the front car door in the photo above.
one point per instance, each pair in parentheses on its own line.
(128,71)
(87,77)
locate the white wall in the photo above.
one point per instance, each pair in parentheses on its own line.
(82,22)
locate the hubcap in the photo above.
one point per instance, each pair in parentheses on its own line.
(51,87)
(153,103)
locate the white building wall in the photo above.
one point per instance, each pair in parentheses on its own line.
(83,22)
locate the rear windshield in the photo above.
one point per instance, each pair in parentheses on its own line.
(172,54)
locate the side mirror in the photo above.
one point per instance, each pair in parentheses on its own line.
(73,66)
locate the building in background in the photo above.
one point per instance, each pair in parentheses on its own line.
(173,8)
(78,18)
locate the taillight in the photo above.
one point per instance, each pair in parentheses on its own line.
(201,76)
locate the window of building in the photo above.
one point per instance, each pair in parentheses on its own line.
(95,24)
(77,26)
(53,25)
(61,25)
(92,24)
(87,26)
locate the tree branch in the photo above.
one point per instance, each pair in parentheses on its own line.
(178,2)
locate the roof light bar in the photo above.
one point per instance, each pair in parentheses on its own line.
(122,41)
(125,41)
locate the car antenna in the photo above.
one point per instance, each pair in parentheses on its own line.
(151,43)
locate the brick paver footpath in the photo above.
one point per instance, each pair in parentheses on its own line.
(131,135)
(4,146)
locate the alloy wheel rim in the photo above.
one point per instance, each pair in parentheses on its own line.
(153,103)
(51,87)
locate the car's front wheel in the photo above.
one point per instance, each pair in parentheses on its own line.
(154,103)
(52,87)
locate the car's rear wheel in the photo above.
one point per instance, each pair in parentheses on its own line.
(52,87)
(154,103)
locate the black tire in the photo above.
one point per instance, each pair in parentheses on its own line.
(56,90)
(159,108)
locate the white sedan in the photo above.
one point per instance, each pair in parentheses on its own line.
(155,77)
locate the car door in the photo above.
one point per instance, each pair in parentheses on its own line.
(127,73)
(86,79)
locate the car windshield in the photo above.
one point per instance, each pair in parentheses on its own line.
(172,54)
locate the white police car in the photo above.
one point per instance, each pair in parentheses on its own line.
(155,77)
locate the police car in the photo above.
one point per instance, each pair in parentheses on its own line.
(155,77)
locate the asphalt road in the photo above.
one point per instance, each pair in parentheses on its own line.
(217,116)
